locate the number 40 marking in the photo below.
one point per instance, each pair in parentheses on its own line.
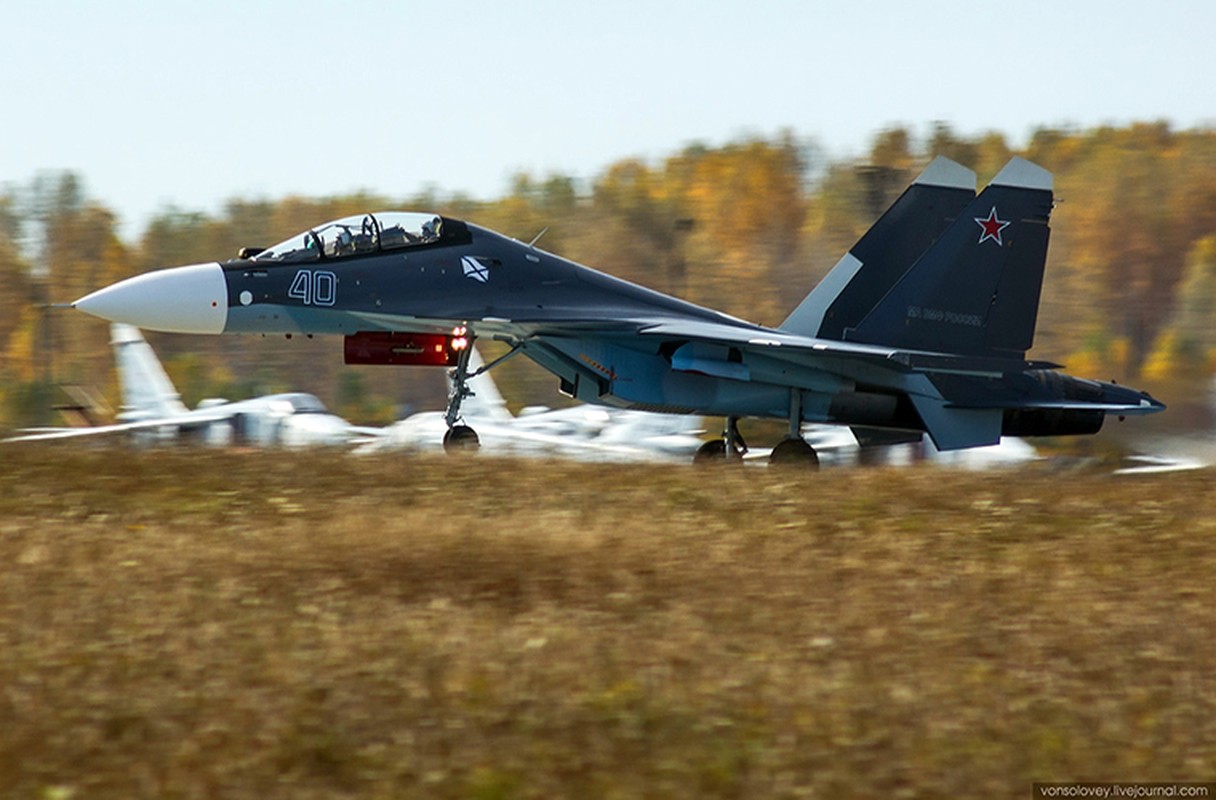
(314,287)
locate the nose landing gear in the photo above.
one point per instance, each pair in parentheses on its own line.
(460,438)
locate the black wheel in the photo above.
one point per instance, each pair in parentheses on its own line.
(460,439)
(794,452)
(712,451)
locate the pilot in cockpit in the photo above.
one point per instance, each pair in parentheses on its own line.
(431,229)
(344,242)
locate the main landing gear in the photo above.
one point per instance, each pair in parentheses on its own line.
(731,447)
(793,450)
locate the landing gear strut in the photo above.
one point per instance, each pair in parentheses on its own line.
(793,450)
(731,447)
(460,438)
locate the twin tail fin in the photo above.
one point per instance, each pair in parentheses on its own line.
(943,270)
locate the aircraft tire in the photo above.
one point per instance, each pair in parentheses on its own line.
(795,453)
(714,452)
(460,439)
(711,452)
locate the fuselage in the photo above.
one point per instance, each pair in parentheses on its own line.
(607,340)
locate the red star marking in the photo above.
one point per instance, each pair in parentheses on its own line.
(992,226)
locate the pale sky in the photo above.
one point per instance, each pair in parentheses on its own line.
(157,103)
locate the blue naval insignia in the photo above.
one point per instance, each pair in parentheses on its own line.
(475,270)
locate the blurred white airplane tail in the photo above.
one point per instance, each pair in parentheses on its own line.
(147,391)
(486,402)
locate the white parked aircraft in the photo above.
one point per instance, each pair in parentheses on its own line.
(152,410)
(583,432)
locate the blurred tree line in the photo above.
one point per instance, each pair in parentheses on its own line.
(748,227)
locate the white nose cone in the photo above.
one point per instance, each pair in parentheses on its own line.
(190,299)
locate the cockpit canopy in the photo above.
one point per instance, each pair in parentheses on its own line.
(362,233)
(296,403)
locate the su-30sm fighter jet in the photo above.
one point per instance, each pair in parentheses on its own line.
(922,327)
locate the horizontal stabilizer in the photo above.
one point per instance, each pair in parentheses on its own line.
(957,428)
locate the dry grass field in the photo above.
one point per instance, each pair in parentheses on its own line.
(201,624)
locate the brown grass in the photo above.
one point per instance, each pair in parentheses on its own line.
(186,624)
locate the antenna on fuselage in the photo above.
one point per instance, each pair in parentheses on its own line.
(536,238)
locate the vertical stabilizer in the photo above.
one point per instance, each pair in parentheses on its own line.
(975,291)
(147,392)
(886,251)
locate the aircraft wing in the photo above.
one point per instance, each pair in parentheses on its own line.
(359,434)
(758,339)
(183,420)
(367,432)
(960,399)
(807,350)
(364,436)
(762,339)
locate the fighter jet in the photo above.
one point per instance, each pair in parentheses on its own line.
(152,410)
(922,327)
